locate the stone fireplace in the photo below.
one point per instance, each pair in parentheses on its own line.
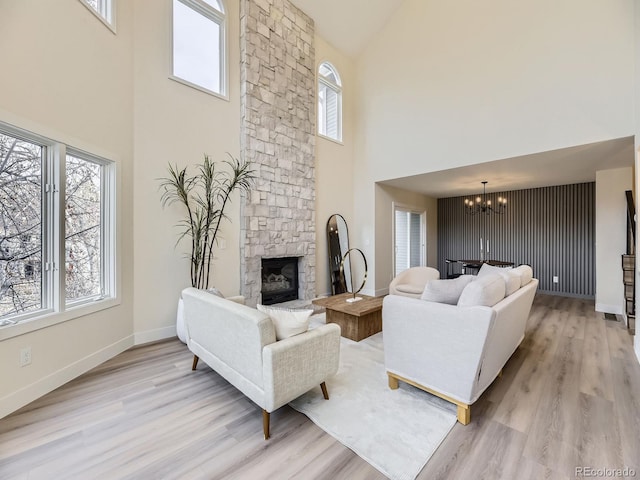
(278,137)
(279,280)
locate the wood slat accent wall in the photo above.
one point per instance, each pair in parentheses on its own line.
(550,228)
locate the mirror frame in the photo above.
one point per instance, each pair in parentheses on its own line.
(337,275)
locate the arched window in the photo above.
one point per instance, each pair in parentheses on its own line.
(104,10)
(199,47)
(329,102)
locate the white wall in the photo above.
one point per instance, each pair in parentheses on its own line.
(611,238)
(68,77)
(334,164)
(448,84)
(176,124)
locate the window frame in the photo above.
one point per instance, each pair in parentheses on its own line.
(336,87)
(107,15)
(400,207)
(219,17)
(107,240)
(54,308)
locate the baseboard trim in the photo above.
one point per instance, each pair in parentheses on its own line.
(566,294)
(606,308)
(381,292)
(154,335)
(18,399)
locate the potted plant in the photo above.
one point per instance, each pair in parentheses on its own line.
(204,197)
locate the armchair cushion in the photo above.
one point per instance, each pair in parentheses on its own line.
(287,322)
(446,291)
(411,282)
(408,288)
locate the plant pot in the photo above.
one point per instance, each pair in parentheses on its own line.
(180,330)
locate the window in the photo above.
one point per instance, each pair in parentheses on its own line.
(199,51)
(50,196)
(20,226)
(329,102)
(83,229)
(408,239)
(103,9)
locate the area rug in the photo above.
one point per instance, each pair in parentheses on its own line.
(396,431)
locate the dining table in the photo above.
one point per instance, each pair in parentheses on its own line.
(473,265)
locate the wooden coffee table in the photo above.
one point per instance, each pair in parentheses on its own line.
(357,320)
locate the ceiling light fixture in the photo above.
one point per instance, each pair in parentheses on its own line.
(482,205)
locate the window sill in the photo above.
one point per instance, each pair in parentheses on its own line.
(339,142)
(198,87)
(50,319)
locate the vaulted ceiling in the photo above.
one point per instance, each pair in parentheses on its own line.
(348,24)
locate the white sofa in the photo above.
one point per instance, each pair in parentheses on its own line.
(240,344)
(411,281)
(454,351)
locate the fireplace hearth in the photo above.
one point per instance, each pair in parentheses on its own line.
(279,280)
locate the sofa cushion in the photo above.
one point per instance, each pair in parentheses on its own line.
(512,279)
(287,321)
(446,291)
(526,274)
(485,291)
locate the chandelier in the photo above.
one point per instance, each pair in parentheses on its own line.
(482,205)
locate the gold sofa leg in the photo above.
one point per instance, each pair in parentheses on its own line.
(195,362)
(464,410)
(464,414)
(265,424)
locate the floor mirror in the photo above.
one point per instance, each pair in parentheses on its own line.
(338,246)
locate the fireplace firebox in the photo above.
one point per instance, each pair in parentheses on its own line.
(279,280)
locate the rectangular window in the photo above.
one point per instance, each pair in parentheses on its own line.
(83,229)
(198,45)
(20,226)
(56,212)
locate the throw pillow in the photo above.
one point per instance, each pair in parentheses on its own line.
(485,291)
(512,280)
(446,291)
(487,269)
(526,274)
(287,321)
(214,291)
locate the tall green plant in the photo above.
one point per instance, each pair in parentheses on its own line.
(204,197)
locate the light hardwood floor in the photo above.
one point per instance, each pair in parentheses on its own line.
(569,397)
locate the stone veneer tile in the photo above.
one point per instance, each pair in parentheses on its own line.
(278,101)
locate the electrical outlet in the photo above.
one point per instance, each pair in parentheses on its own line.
(25,357)
(555,279)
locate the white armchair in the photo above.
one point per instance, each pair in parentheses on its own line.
(411,282)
